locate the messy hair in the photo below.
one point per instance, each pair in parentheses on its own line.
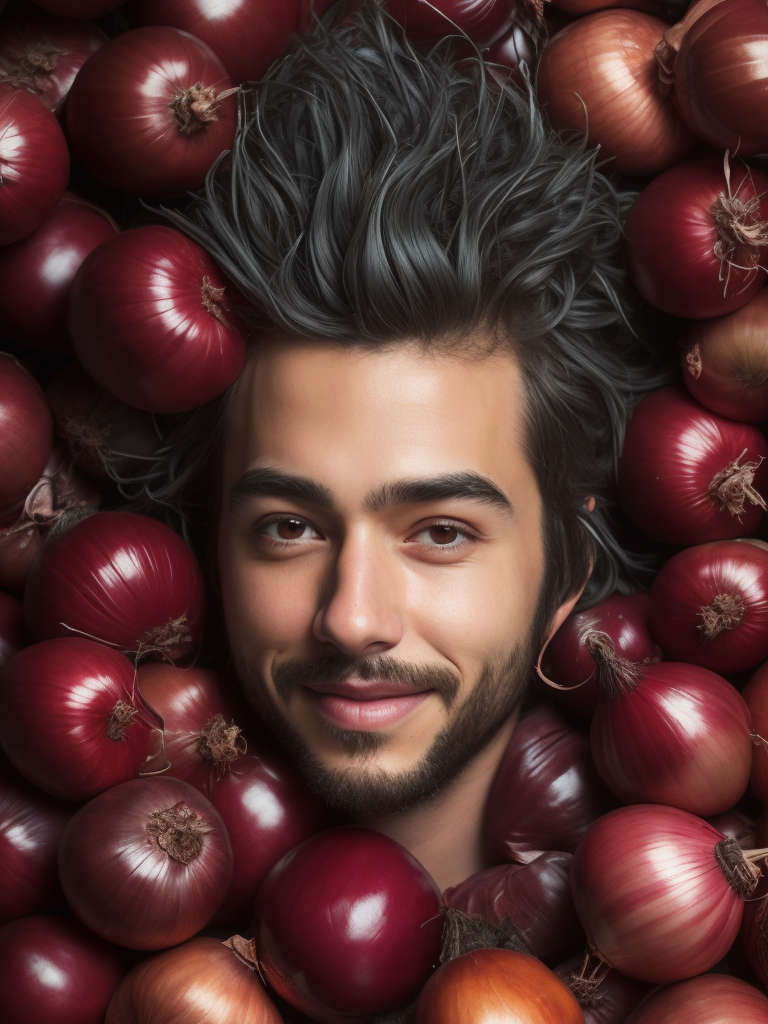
(377,193)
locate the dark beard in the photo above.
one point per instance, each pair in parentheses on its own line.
(472,726)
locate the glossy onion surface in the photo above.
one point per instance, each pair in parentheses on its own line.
(710,999)
(26,434)
(483,21)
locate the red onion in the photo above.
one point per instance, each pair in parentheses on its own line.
(13,632)
(246,35)
(695,238)
(122,579)
(31,825)
(17,552)
(150,321)
(505,57)
(26,434)
(710,999)
(755,696)
(36,273)
(483,21)
(347,923)
(737,825)
(147,113)
(660,893)
(598,76)
(61,488)
(79,8)
(34,163)
(199,982)
(53,971)
(709,606)
(687,476)
(146,864)
(568,663)
(42,53)
(604,995)
(546,792)
(657,7)
(534,898)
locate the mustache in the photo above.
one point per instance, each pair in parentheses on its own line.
(330,669)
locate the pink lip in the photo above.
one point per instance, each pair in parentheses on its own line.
(376,708)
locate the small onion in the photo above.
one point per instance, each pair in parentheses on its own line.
(26,434)
(710,999)
(482,21)
(145,864)
(687,476)
(13,631)
(150,322)
(604,995)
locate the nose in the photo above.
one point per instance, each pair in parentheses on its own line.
(362,607)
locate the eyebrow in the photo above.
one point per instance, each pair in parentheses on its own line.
(272,482)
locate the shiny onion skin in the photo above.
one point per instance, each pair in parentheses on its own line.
(13,631)
(146,115)
(494,985)
(687,476)
(651,895)
(347,923)
(36,273)
(598,76)
(199,982)
(42,53)
(709,606)
(535,898)
(681,737)
(26,434)
(710,999)
(678,258)
(150,321)
(34,163)
(246,35)
(122,579)
(145,864)
(54,971)
(71,723)
(567,661)
(546,792)
(577,7)
(31,826)
(755,696)
(725,362)
(605,996)
(483,21)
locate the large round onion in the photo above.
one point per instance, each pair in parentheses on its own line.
(483,21)
(26,435)
(150,321)
(347,923)
(122,579)
(147,113)
(710,999)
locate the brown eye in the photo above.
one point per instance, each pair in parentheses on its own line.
(443,534)
(290,529)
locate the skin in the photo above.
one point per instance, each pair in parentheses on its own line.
(447,585)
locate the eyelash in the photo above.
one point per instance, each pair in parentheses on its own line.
(468,536)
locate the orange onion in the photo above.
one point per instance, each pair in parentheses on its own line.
(710,999)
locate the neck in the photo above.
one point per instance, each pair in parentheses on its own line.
(445,833)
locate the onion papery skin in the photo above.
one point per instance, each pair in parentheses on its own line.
(710,999)
(246,36)
(199,982)
(53,971)
(347,924)
(709,606)
(608,997)
(31,826)
(482,21)
(36,273)
(567,661)
(546,792)
(755,696)
(122,127)
(671,240)
(122,579)
(42,53)
(17,552)
(13,630)
(151,323)
(34,163)
(598,77)
(720,82)
(535,898)
(681,738)
(71,723)
(651,896)
(123,885)
(26,434)
(725,365)
(675,460)
(493,985)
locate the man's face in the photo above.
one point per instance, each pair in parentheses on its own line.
(381,558)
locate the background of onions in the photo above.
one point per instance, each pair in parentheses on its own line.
(26,435)
(701,1000)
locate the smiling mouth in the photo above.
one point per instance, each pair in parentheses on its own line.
(369,706)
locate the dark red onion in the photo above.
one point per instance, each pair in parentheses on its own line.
(687,476)
(516,48)
(546,792)
(146,864)
(535,898)
(78,8)
(150,321)
(122,579)
(26,433)
(13,631)
(606,996)
(483,21)
(54,971)
(348,923)
(61,487)
(706,1000)
(755,695)
(36,273)
(18,549)
(737,825)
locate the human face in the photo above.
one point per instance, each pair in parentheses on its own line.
(381,559)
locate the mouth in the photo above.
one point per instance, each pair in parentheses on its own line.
(364,705)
